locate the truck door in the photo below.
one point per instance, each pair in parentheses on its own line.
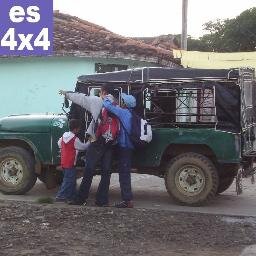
(58,127)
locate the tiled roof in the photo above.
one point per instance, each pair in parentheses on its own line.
(77,37)
(168,42)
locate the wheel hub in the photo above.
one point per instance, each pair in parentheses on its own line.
(11,171)
(190,180)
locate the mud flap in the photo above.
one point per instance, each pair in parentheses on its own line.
(51,178)
(239,184)
(252,179)
(253,173)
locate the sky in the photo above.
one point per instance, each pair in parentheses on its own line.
(147,18)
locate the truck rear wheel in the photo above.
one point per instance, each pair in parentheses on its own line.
(191,179)
(17,175)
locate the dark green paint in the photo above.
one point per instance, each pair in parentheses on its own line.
(221,143)
(42,132)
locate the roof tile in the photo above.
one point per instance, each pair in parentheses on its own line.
(74,36)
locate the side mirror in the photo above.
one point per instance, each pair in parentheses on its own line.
(66,103)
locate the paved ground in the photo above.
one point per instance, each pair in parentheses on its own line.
(150,193)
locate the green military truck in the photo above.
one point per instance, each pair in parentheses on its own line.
(203,131)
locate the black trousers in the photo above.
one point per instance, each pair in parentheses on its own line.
(97,153)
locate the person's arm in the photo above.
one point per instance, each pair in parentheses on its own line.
(80,145)
(59,142)
(87,102)
(115,109)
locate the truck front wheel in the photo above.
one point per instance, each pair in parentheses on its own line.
(191,179)
(17,175)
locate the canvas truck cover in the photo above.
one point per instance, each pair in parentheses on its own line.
(148,74)
(227,84)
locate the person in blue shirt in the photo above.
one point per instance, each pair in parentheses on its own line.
(125,145)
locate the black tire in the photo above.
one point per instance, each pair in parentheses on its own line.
(191,179)
(224,184)
(17,174)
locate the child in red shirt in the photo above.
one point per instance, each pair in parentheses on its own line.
(69,145)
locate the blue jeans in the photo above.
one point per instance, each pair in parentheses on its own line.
(68,186)
(97,153)
(124,169)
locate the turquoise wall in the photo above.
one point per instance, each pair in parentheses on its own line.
(31,85)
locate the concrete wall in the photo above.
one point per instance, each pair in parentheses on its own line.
(216,60)
(31,85)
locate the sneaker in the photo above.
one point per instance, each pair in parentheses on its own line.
(60,200)
(124,204)
(77,202)
(101,205)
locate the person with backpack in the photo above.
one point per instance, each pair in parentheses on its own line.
(126,147)
(103,131)
(69,145)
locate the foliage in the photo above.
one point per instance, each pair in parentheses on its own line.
(193,44)
(230,35)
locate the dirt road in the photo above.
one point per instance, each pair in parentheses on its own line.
(150,193)
(156,226)
(32,229)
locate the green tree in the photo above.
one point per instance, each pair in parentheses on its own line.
(193,44)
(230,35)
(240,32)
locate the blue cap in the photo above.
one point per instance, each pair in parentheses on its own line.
(129,100)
